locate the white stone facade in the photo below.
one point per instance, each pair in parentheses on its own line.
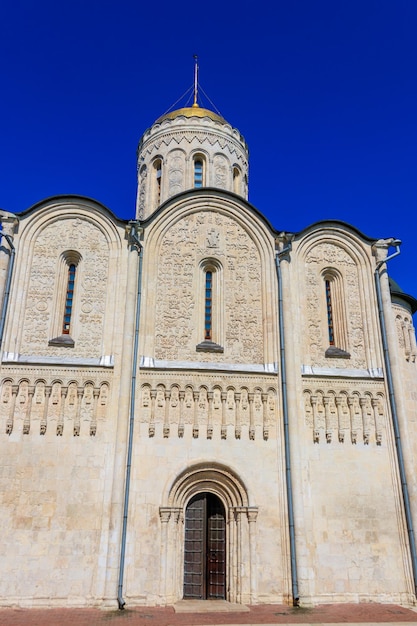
(199,356)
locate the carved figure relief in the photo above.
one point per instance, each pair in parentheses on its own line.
(34,407)
(142,192)
(221,171)
(175,172)
(406,336)
(338,415)
(191,239)
(204,412)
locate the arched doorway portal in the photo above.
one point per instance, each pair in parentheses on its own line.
(205,548)
(216,496)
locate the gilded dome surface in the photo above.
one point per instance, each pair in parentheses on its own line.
(193,111)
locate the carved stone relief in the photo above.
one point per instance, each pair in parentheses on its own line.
(327,255)
(217,411)
(34,409)
(176,166)
(344,415)
(406,336)
(91,284)
(191,239)
(221,169)
(142,191)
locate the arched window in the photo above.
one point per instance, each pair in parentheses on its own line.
(208,307)
(63,320)
(69,300)
(334,294)
(210,328)
(198,172)
(330,326)
(157,183)
(236,180)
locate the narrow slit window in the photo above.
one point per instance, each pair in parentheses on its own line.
(158,168)
(208,308)
(330,321)
(69,299)
(198,173)
(236,180)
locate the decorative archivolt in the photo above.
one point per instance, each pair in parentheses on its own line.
(406,336)
(208,411)
(357,415)
(36,408)
(211,477)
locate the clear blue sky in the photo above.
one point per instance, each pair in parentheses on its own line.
(324,92)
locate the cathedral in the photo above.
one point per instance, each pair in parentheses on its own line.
(195,405)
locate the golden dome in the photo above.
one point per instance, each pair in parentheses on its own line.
(193,111)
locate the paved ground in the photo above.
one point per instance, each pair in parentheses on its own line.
(265,615)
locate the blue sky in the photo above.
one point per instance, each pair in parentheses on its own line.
(325,94)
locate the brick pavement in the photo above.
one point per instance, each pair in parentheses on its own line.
(367,613)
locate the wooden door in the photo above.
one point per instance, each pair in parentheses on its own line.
(205,548)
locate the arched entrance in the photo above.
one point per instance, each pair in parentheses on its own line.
(208,499)
(205,548)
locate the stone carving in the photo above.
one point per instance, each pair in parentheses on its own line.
(345,414)
(406,336)
(31,407)
(175,171)
(91,284)
(221,171)
(178,305)
(319,258)
(142,192)
(210,412)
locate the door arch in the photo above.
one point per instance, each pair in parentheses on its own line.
(205,548)
(223,484)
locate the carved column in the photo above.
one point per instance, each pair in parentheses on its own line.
(265,415)
(181,420)
(353,432)
(326,402)
(378,426)
(365,420)
(77,421)
(60,424)
(238,427)
(238,518)
(152,418)
(164,514)
(210,415)
(251,418)
(224,425)
(26,421)
(316,431)
(93,423)
(44,420)
(231,561)
(339,406)
(195,423)
(10,419)
(166,414)
(252,513)
(176,548)
(412,336)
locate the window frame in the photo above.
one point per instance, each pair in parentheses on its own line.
(335,313)
(66,260)
(212,341)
